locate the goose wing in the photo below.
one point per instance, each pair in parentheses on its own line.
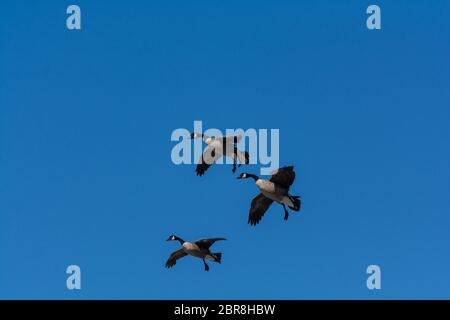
(208,157)
(231,139)
(242,156)
(206,243)
(174,257)
(284,177)
(259,206)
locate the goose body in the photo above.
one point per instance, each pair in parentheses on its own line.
(274,192)
(198,252)
(198,249)
(276,189)
(217,148)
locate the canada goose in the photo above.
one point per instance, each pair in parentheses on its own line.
(276,189)
(217,147)
(199,249)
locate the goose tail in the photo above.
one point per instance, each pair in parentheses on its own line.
(217,257)
(243,156)
(296,203)
(247,157)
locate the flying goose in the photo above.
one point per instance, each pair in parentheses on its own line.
(276,189)
(218,147)
(199,249)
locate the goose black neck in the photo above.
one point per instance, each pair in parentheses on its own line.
(180,240)
(254,176)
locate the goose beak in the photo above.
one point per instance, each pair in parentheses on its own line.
(239,177)
(169,239)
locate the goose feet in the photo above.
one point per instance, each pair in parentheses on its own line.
(206,266)
(286,213)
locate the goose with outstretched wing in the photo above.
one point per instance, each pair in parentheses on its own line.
(217,148)
(198,249)
(276,189)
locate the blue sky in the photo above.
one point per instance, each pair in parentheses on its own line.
(86,174)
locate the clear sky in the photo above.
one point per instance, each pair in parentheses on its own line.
(86,176)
